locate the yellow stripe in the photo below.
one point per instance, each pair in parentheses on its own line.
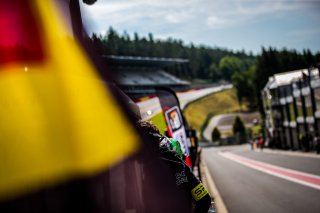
(57,120)
(159,121)
(199,192)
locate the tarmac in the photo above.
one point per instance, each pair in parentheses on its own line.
(218,204)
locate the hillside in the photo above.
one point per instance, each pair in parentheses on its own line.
(199,112)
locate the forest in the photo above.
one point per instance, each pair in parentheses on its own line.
(248,72)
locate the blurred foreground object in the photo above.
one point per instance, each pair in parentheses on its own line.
(66,145)
(54,111)
(89,1)
(184,178)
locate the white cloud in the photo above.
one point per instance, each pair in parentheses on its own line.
(177,17)
(212,12)
(253,8)
(216,22)
(173,18)
(154,15)
(190,20)
(239,12)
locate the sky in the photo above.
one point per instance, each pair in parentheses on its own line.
(231,24)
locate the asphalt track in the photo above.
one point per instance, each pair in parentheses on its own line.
(224,122)
(255,181)
(151,107)
(187,97)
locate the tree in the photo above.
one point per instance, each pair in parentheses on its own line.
(203,60)
(97,43)
(214,73)
(240,83)
(111,42)
(215,136)
(229,65)
(273,61)
(238,126)
(239,130)
(245,84)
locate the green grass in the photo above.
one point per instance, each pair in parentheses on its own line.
(223,102)
(204,124)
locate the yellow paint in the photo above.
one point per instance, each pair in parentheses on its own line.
(58,121)
(199,192)
(159,121)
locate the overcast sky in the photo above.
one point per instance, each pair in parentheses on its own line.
(232,24)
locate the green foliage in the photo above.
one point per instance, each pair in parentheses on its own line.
(248,73)
(238,126)
(245,84)
(204,62)
(199,112)
(273,61)
(239,130)
(214,72)
(229,65)
(205,124)
(215,136)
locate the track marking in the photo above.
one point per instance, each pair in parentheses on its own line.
(208,182)
(287,174)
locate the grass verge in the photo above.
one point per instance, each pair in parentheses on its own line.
(200,112)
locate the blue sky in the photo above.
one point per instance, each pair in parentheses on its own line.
(232,24)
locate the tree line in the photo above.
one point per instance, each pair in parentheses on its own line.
(248,73)
(272,61)
(204,61)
